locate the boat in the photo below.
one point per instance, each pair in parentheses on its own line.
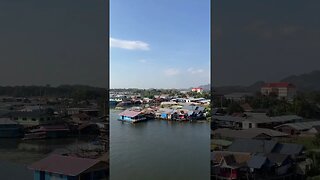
(35,135)
(113,103)
(124,104)
(47,131)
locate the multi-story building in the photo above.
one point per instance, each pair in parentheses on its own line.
(28,119)
(198,90)
(282,90)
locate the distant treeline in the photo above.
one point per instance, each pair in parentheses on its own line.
(305,104)
(150,93)
(78,92)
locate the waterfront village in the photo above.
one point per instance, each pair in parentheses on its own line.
(38,118)
(191,106)
(271,134)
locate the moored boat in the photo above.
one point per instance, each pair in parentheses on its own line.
(47,131)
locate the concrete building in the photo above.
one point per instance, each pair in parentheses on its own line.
(198,90)
(254,120)
(282,90)
(28,119)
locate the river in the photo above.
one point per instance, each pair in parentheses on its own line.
(16,154)
(159,150)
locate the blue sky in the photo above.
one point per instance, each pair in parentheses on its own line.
(159,44)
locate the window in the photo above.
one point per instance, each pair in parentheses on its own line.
(41,119)
(33,119)
(250,125)
(24,119)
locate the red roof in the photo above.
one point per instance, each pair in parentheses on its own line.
(66,165)
(278,84)
(196,88)
(130,113)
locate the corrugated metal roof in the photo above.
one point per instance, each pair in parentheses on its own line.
(221,142)
(252,146)
(302,125)
(248,133)
(259,118)
(130,113)
(269,132)
(240,157)
(277,158)
(229,118)
(66,165)
(256,161)
(288,148)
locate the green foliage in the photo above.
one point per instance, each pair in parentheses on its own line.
(314,171)
(234,107)
(304,105)
(219,101)
(316,140)
(77,92)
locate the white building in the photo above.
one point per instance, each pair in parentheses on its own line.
(282,90)
(198,90)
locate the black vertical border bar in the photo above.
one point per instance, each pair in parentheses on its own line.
(211,73)
(211,52)
(107,112)
(108,58)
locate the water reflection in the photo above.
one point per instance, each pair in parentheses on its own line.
(28,151)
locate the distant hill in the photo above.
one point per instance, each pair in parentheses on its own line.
(205,87)
(82,92)
(304,82)
(232,89)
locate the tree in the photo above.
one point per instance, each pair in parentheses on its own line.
(316,140)
(234,107)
